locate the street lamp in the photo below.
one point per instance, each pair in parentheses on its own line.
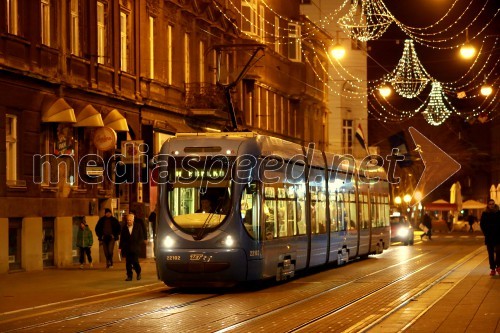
(397,200)
(385,91)
(486,90)
(337,51)
(467,51)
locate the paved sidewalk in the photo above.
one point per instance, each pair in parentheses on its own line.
(24,290)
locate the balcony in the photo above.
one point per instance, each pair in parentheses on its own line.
(204,99)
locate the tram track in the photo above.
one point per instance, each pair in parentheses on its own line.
(306,325)
(73,306)
(246,316)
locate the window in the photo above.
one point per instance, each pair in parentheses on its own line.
(347,136)
(12,17)
(294,42)
(45,20)
(101,32)
(73,27)
(202,61)
(249,17)
(186,58)
(277,34)
(124,41)
(262,22)
(169,54)
(11,142)
(151,48)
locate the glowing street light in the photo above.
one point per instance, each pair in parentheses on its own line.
(397,200)
(385,91)
(467,51)
(486,90)
(337,51)
(407,198)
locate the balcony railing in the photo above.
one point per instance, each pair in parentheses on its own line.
(204,95)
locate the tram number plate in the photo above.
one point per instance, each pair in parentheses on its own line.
(254,253)
(199,257)
(173,258)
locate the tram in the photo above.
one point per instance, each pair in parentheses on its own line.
(241,207)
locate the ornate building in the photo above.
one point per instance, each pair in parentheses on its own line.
(84,83)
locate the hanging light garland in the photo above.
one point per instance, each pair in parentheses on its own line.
(409,77)
(437,110)
(366,20)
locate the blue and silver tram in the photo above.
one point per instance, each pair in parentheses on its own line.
(240,207)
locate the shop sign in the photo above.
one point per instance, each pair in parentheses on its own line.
(65,141)
(94,170)
(105,138)
(132,151)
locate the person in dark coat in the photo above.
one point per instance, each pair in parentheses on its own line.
(140,222)
(471,219)
(131,239)
(490,226)
(427,222)
(107,230)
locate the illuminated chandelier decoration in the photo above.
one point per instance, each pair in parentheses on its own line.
(437,111)
(366,20)
(409,77)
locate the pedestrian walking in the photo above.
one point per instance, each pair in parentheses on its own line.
(427,222)
(490,226)
(108,231)
(471,219)
(140,222)
(84,240)
(131,239)
(449,222)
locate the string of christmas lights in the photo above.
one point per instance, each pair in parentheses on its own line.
(367,21)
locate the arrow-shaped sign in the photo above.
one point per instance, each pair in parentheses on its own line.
(438,166)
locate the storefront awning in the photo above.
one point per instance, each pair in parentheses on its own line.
(58,111)
(440,205)
(116,121)
(89,117)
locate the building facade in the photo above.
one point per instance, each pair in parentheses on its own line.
(90,89)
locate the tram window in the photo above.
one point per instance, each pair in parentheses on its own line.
(301,212)
(270,212)
(350,218)
(342,212)
(250,212)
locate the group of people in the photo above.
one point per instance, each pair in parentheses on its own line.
(490,226)
(131,235)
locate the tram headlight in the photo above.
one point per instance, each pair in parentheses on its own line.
(168,242)
(228,241)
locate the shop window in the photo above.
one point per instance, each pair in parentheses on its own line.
(48,241)
(58,166)
(15,228)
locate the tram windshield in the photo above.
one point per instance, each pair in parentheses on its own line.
(199,198)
